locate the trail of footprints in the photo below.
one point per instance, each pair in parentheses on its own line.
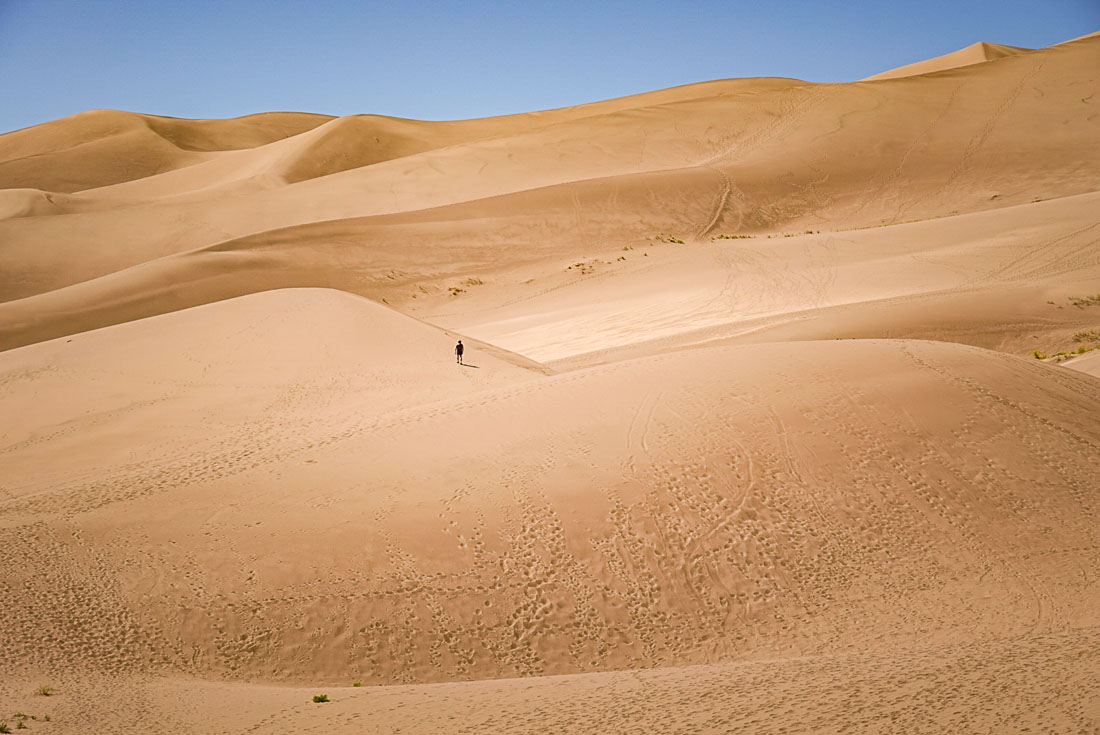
(724,539)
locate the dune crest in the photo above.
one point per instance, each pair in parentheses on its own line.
(779,411)
(975,53)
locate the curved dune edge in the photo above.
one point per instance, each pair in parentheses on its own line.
(1038,682)
(994,279)
(759,156)
(976,53)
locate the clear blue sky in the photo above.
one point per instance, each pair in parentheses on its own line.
(445,60)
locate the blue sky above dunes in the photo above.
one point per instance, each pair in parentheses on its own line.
(445,60)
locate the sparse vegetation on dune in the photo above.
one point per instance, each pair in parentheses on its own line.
(1064,354)
(1083,301)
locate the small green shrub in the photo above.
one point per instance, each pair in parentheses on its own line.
(4,727)
(1038,355)
(357,684)
(318,698)
(44,690)
(20,725)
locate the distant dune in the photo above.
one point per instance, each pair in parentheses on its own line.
(976,53)
(780,412)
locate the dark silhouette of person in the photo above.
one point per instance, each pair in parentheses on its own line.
(458,352)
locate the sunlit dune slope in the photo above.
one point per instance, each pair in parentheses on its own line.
(1089,364)
(303,485)
(212,362)
(752,156)
(975,53)
(571,272)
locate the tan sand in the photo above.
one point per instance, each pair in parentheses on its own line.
(750,438)
(975,53)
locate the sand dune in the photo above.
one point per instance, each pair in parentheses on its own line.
(566,290)
(760,501)
(770,156)
(751,436)
(975,53)
(103,147)
(357,513)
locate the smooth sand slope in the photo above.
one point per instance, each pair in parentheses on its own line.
(743,156)
(975,53)
(384,516)
(500,271)
(751,435)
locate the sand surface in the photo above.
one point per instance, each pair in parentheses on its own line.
(757,430)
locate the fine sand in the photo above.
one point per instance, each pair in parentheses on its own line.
(780,413)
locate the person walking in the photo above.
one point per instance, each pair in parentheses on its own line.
(458,352)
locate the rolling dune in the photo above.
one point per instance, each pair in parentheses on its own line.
(751,436)
(771,155)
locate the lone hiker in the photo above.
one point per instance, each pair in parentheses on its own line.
(458,352)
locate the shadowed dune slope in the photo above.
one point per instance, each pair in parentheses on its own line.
(102,147)
(763,156)
(259,489)
(573,271)
(976,53)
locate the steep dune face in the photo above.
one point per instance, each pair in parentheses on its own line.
(701,506)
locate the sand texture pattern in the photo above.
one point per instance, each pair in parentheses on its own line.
(780,413)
